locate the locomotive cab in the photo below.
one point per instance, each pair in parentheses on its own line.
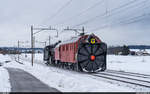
(47,52)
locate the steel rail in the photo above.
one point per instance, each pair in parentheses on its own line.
(123,79)
(129,73)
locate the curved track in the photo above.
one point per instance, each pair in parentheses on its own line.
(136,79)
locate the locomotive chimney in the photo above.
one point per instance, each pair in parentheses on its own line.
(56,43)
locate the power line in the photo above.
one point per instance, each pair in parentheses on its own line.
(126,22)
(122,6)
(114,10)
(139,5)
(59,10)
(136,6)
(101,15)
(83,12)
(134,19)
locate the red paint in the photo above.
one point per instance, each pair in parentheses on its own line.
(67,52)
(92,57)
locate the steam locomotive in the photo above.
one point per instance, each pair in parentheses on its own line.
(85,53)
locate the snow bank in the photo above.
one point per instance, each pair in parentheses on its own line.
(4,58)
(4,76)
(4,81)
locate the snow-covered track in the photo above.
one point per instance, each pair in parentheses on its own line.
(132,80)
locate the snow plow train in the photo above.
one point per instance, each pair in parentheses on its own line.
(85,53)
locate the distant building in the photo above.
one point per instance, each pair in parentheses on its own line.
(140,53)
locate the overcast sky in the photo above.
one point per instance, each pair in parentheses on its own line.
(116,22)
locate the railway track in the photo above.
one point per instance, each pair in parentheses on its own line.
(135,80)
(129,73)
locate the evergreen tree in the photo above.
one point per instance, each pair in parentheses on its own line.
(125,50)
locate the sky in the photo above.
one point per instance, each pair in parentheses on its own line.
(116,22)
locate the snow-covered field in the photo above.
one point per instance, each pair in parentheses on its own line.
(67,81)
(139,64)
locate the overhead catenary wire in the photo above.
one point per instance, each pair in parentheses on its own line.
(125,22)
(106,12)
(138,18)
(134,19)
(113,11)
(55,14)
(128,18)
(92,6)
(82,12)
(59,10)
(101,15)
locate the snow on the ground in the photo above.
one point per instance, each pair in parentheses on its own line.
(67,81)
(137,64)
(4,76)
(38,58)
(4,58)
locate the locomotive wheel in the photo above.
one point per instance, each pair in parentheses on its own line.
(91,58)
